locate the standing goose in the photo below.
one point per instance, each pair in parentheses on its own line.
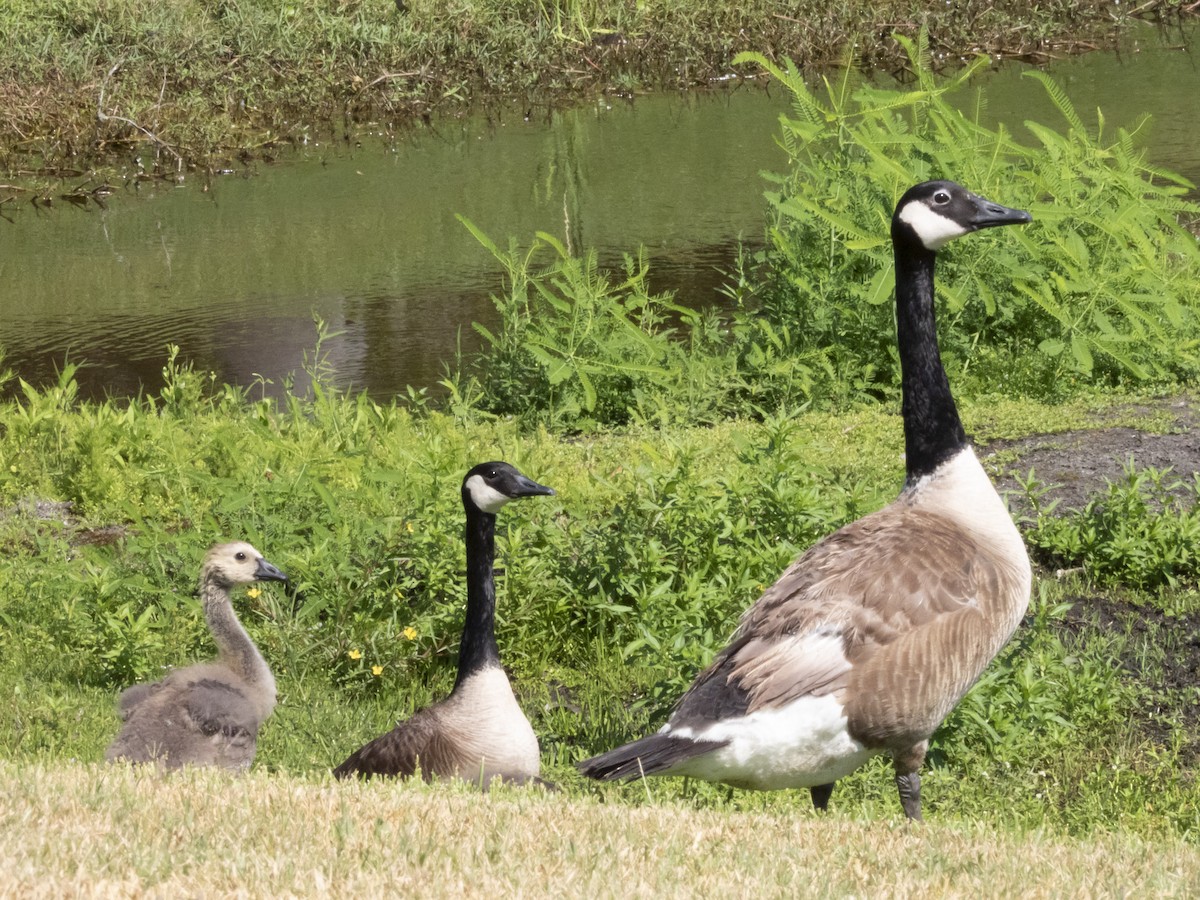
(478,732)
(866,642)
(208,714)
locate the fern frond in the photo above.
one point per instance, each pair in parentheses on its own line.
(1060,99)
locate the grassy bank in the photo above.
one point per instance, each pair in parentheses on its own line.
(189,83)
(84,830)
(614,592)
(694,456)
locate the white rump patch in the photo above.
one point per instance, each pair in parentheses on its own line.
(486,497)
(934,229)
(802,744)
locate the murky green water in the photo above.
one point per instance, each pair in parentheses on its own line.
(366,236)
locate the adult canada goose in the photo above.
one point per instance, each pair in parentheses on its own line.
(866,642)
(478,732)
(208,714)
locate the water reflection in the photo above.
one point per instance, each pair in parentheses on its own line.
(366,236)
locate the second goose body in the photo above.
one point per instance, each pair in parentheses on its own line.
(479,732)
(866,642)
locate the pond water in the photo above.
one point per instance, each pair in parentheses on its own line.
(365,235)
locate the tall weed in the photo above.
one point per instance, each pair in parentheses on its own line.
(1100,289)
(577,347)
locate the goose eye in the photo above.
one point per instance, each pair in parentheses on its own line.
(240,556)
(941,197)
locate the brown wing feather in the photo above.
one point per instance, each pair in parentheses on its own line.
(415,743)
(877,577)
(864,612)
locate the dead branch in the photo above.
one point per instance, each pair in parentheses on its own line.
(102,116)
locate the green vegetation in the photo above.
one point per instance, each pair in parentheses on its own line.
(613,593)
(1099,292)
(694,455)
(1143,531)
(189,82)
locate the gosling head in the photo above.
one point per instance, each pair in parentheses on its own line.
(237,563)
(934,213)
(488,486)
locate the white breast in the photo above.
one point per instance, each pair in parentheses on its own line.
(492,730)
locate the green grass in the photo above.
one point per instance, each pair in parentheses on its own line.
(186,83)
(87,829)
(694,456)
(613,594)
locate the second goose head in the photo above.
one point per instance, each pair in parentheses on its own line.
(490,485)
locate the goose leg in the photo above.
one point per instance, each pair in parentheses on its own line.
(909,786)
(820,796)
(908,779)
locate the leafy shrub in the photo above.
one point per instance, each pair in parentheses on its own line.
(1099,289)
(1143,531)
(578,348)
(667,540)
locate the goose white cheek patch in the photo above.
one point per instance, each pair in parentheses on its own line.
(934,230)
(486,497)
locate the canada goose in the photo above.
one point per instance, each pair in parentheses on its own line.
(479,731)
(208,714)
(866,642)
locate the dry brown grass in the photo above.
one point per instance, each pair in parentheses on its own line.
(70,830)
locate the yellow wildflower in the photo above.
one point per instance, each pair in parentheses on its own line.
(354,654)
(410,633)
(408,527)
(254,593)
(376,670)
(13,469)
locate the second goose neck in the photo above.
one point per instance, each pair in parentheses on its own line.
(478,649)
(933,432)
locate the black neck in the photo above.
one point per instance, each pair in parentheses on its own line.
(478,649)
(933,432)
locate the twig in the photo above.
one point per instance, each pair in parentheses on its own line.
(1060,574)
(388,76)
(102,116)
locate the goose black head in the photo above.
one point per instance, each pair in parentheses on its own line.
(937,212)
(488,486)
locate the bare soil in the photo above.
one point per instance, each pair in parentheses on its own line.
(1077,464)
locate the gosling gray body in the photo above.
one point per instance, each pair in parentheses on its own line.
(207,714)
(871,638)
(479,732)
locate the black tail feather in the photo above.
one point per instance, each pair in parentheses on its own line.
(653,755)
